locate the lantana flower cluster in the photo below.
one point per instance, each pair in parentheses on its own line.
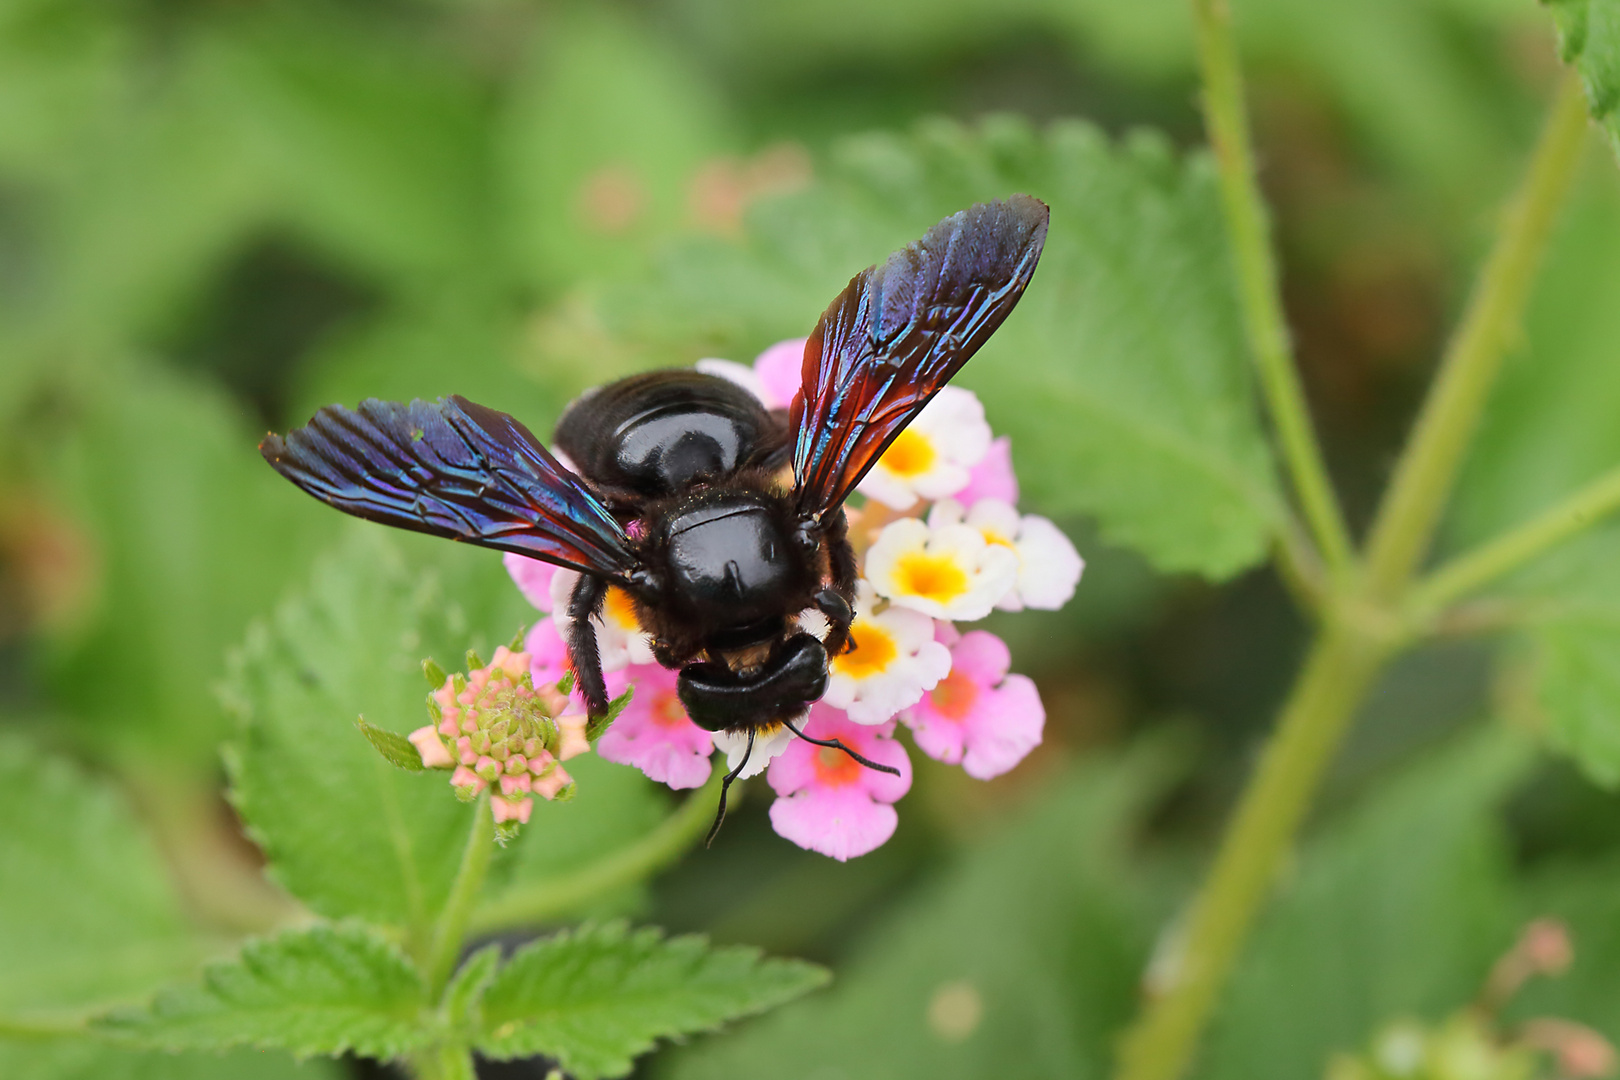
(496,729)
(941,542)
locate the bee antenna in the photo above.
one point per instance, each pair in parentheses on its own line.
(834,744)
(725,786)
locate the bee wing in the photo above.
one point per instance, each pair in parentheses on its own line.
(454,469)
(898,333)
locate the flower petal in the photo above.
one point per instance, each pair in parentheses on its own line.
(841,823)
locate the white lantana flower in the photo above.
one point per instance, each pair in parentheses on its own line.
(734,744)
(950,572)
(893,660)
(620,640)
(1048,565)
(930,459)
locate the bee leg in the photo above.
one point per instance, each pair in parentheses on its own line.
(835,744)
(585,604)
(832,604)
(725,788)
(841,559)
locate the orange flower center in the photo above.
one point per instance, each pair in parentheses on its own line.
(954,695)
(835,768)
(911,454)
(666,710)
(620,608)
(871,650)
(932,577)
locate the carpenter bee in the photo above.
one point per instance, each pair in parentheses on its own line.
(676,493)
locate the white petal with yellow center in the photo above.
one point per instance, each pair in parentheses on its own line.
(1049,567)
(620,640)
(930,459)
(948,572)
(894,660)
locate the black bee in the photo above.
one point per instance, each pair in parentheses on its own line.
(679,497)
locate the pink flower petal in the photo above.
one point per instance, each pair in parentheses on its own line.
(780,369)
(508,810)
(533,578)
(981,656)
(829,802)
(654,734)
(841,823)
(979,716)
(996,743)
(992,477)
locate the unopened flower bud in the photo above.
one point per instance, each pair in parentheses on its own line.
(516,764)
(508,810)
(487,769)
(435,755)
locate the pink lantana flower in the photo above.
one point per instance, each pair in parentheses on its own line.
(499,731)
(775,377)
(978,716)
(992,477)
(829,802)
(653,733)
(932,456)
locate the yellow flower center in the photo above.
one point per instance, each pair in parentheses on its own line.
(911,454)
(620,609)
(931,577)
(871,650)
(993,537)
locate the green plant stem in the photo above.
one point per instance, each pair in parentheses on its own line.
(1478,568)
(40,1030)
(1417,495)
(450,930)
(545,900)
(444,1063)
(1249,233)
(1336,675)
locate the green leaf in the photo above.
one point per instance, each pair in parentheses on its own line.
(597,726)
(344,830)
(1122,377)
(1398,908)
(87,915)
(1573,636)
(84,1060)
(1027,949)
(322,990)
(596,997)
(195,536)
(464,997)
(604,129)
(395,748)
(1589,38)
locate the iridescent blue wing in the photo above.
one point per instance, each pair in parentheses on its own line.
(454,469)
(898,333)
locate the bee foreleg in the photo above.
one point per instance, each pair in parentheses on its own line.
(584,606)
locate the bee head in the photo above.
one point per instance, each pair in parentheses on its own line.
(731,560)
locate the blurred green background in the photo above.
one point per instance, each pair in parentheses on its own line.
(217,215)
